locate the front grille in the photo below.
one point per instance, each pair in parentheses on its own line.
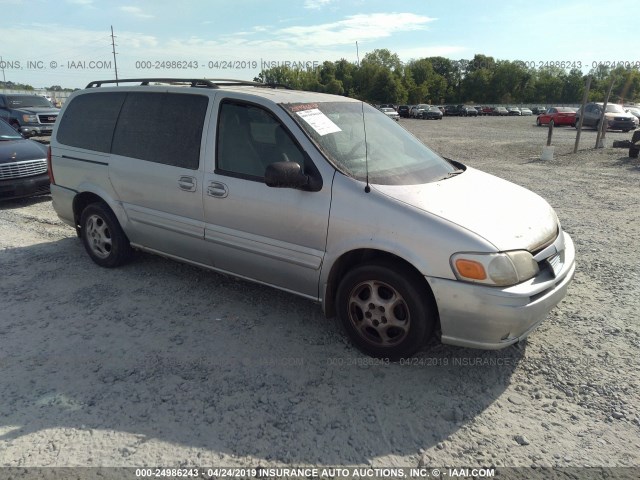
(47,118)
(26,168)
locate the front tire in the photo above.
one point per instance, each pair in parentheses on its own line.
(102,236)
(386,310)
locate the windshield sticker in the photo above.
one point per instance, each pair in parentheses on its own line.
(304,106)
(319,121)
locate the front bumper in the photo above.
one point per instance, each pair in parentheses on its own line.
(621,125)
(36,130)
(24,186)
(490,318)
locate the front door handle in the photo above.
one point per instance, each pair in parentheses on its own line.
(188,184)
(217,189)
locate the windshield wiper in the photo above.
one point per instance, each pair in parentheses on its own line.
(452,174)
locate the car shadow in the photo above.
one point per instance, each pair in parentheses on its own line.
(23,202)
(632,163)
(166,351)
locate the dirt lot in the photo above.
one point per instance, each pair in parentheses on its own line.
(163,364)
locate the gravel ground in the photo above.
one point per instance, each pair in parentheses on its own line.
(162,364)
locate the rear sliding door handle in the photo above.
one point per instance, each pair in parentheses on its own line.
(188,184)
(217,189)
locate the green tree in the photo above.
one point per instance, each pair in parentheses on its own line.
(383,58)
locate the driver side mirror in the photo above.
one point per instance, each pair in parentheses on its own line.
(289,175)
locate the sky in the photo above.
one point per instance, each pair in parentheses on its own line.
(68,42)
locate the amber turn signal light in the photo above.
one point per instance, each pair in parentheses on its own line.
(471,269)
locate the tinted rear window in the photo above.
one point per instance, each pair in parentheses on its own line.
(161,127)
(89,120)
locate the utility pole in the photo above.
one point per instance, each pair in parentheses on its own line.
(357,53)
(113,46)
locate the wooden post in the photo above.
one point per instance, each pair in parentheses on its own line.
(550,134)
(603,118)
(584,102)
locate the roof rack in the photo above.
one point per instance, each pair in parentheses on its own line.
(194,82)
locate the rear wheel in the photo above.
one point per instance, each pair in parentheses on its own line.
(386,310)
(538,122)
(103,238)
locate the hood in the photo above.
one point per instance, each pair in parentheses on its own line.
(507,215)
(20,149)
(38,110)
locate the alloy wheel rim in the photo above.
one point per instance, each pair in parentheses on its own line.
(98,236)
(379,313)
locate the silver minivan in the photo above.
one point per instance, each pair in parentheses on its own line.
(319,195)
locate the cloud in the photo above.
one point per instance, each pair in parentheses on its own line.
(136,12)
(316,4)
(361,28)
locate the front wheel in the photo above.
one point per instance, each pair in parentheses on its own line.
(386,310)
(103,238)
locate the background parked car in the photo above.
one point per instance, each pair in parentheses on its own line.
(514,111)
(29,114)
(635,111)
(467,111)
(486,111)
(403,111)
(391,113)
(23,165)
(557,116)
(433,113)
(615,116)
(526,112)
(416,112)
(500,111)
(538,110)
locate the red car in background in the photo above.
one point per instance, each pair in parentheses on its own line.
(557,115)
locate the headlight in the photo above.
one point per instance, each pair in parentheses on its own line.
(498,269)
(30,118)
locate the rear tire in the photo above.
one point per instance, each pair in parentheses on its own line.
(386,310)
(102,236)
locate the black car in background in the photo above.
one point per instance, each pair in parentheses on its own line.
(23,165)
(403,111)
(452,110)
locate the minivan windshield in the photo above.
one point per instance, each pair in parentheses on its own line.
(392,155)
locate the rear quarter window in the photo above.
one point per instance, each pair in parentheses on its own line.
(89,121)
(161,127)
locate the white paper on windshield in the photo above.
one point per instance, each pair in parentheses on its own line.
(319,121)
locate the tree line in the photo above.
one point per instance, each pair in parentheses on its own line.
(9,85)
(382,78)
